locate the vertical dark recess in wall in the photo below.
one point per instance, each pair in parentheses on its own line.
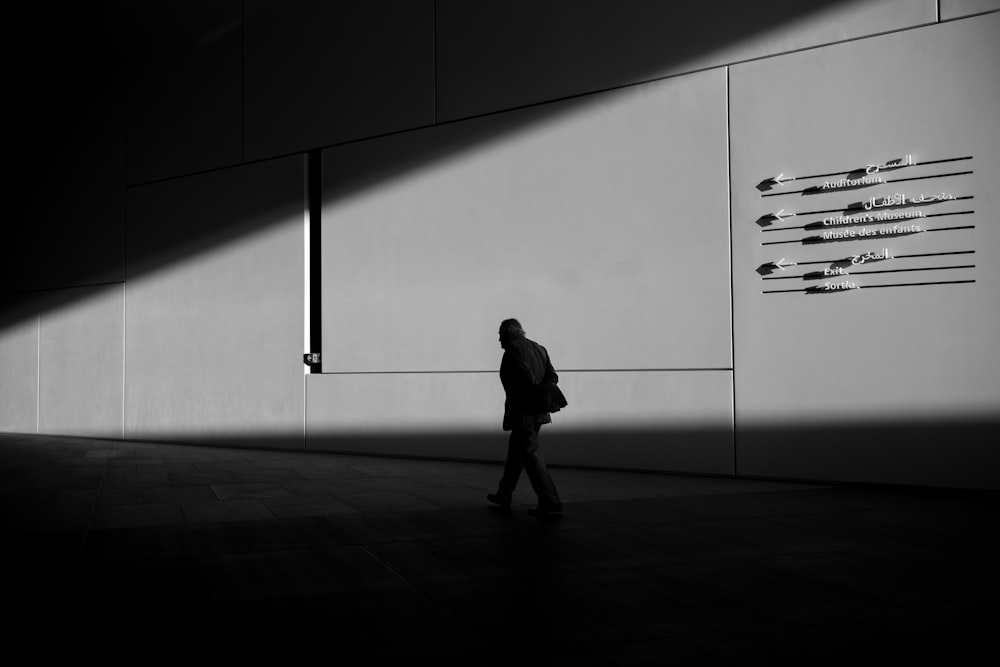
(243,82)
(314,167)
(434,75)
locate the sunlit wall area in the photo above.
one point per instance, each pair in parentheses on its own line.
(213,329)
(601,223)
(81,363)
(873,357)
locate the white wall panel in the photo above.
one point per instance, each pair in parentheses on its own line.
(498,55)
(678,420)
(951,9)
(214,320)
(885,384)
(601,224)
(657,420)
(18,371)
(319,73)
(80,364)
(184,87)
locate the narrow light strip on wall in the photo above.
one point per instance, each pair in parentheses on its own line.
(306,324)
(38,373)
(732,286)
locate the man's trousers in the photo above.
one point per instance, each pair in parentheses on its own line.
(523,453)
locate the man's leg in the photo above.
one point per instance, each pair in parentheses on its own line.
(534,466)
(512,467)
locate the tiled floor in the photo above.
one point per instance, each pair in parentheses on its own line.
(135,553)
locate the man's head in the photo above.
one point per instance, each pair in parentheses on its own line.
(509,329)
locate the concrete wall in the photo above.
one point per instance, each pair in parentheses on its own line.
(597,222)
(441,125)
(213,329)
(19,372)
(897,376)
(81,364)
(499,54)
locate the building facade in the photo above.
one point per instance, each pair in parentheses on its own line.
(755,241)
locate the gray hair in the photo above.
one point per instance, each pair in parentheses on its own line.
(510,328)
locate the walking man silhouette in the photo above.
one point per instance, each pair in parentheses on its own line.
(530,383)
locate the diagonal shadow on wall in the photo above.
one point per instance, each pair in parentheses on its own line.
(69,190)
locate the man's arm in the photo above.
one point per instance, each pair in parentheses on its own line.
(515,375)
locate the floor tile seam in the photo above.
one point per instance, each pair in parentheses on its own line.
(674,522)
(873,614)
(446,538)
(189,523)
(853,553)
(703,558)
(782,627)
(427,596)
(876,526)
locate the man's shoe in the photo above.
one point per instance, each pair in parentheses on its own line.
(497,499)
(544,510)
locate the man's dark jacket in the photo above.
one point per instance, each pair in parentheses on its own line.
(530,382)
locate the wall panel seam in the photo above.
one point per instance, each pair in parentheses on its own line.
(560,370)
(64,287)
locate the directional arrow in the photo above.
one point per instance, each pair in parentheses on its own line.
(781,264)
(781,215)
(769,183)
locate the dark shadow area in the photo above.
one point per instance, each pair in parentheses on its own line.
(225,554)
(568,47)
(870,446)
(69,246)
